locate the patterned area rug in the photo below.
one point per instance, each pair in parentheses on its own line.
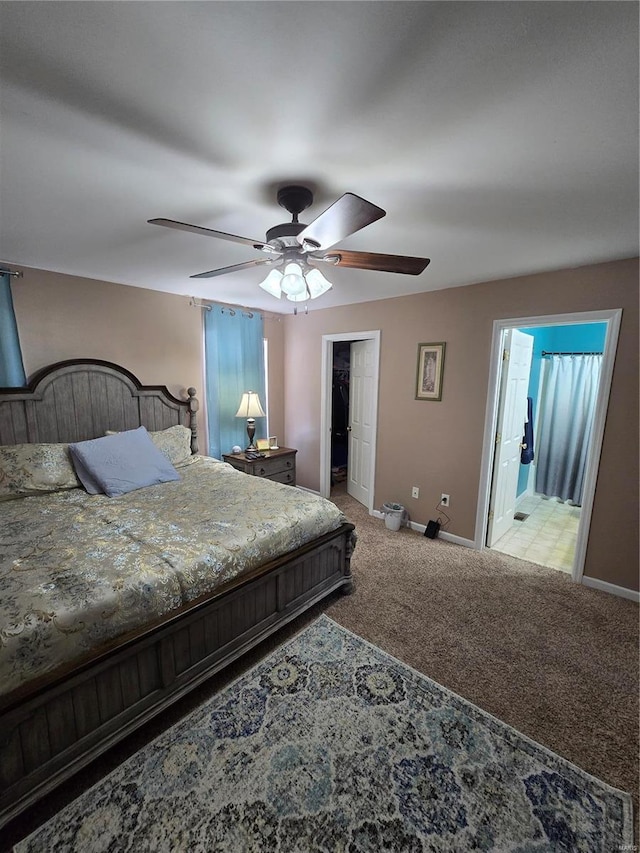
(330,744)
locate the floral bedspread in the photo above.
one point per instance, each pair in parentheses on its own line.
(77,570)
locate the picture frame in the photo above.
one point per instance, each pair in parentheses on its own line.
(270,443)
(429,371)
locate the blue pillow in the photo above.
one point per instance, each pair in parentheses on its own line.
(121,463)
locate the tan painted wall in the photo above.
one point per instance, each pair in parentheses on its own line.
(274,333)
(438,445)
(157,336)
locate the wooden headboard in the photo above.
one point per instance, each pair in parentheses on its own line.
(83,398)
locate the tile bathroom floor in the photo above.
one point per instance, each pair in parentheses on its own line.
(547,537)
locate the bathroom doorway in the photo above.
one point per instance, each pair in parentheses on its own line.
(537,492)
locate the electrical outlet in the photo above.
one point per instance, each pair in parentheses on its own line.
(444,500)
(415,492)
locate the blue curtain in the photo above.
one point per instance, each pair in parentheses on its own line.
(567,407)
(234,363)
(11,368)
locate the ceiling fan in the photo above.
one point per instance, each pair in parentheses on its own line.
(298,249)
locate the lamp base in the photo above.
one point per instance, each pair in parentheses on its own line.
(251,431)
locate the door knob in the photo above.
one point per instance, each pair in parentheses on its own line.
(523,446)
(348,429)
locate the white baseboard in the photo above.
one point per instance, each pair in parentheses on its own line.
(457,540)
(442,534)
(305,489)
(611,588)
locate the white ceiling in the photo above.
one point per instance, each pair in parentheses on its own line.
(501,138)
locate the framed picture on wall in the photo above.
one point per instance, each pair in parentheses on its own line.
(429,372)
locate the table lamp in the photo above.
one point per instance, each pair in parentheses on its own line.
(250,409)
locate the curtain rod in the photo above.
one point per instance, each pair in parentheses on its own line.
(207,305)
(544,352)
(12,273)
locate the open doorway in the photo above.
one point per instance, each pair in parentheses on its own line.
(340,422)
(549,390)
(349,408)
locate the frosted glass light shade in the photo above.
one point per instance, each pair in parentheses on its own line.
(317,283)
(272,283)
(250,406)
(299,297)
(293,283)
(298,286)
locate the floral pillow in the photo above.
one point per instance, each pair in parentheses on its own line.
(32,469)
(174,442)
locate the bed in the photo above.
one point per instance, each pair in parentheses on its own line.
(113,608)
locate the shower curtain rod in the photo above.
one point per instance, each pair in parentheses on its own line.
(544,352)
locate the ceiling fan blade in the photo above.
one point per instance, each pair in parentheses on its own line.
(374,261)
(235,268)
(347,215)
(208,232)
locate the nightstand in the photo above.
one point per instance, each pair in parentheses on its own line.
(278,465)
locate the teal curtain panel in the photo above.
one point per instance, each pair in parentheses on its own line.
(234,363)
(11,367)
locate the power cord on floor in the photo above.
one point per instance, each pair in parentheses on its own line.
(441,513)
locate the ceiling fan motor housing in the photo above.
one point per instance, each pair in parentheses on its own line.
(295,199)
(286,229)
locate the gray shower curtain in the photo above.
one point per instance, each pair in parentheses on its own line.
(567,406)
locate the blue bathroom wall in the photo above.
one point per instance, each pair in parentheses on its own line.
(579,337)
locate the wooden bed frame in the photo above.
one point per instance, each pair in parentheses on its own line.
(55,725)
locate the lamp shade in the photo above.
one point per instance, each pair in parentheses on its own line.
(272,283)
(250,406)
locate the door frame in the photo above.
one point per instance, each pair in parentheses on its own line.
(326,384)
(612,318)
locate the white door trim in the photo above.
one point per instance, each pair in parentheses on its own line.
(326,383)
(612,317)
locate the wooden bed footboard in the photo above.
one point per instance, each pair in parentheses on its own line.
(47,736)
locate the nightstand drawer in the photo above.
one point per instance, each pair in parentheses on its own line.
(288,477)
(271,467)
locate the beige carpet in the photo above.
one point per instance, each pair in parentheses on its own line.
(553,659)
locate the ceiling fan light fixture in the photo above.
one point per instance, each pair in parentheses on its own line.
(272,283)
(293,283)
(298,248)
